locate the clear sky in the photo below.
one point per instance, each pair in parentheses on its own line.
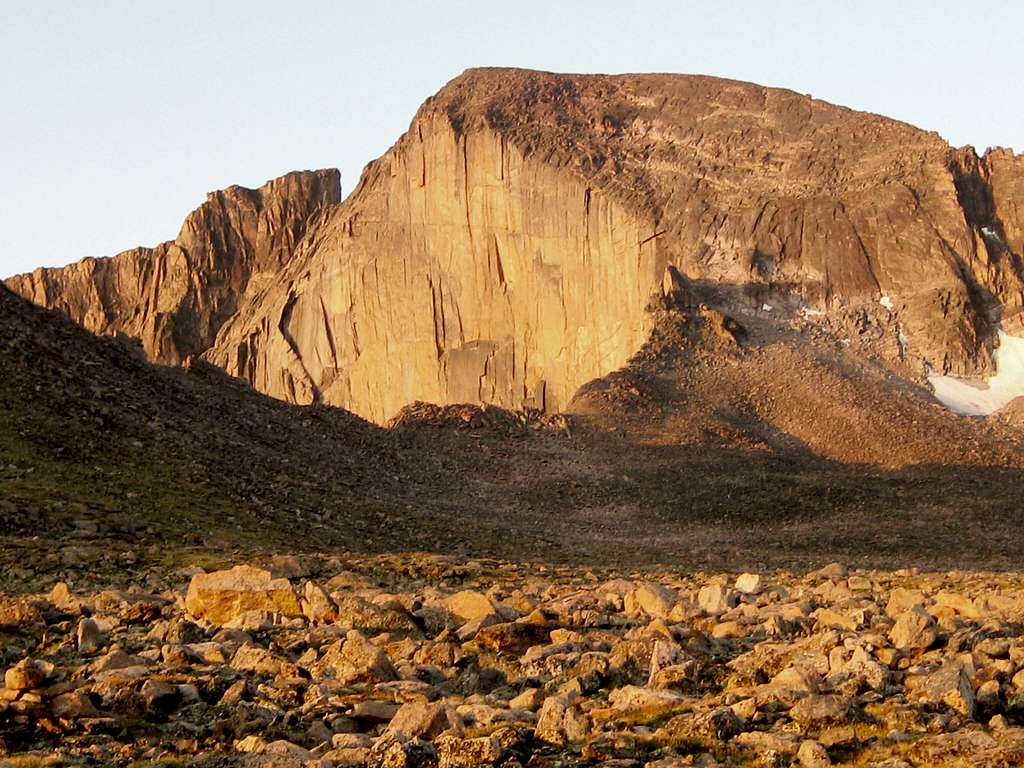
(119,116)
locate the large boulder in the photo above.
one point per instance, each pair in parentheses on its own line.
(949,685)
(27,675)
(716,598)
(468,605)
(914,630)
(356,660)
(424,720)
(454,752)
(653,599)
(223,596)
(560,721)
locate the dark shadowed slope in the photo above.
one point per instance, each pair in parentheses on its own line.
(107,454)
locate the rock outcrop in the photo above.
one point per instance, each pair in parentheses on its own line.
(174,298)
(506,249)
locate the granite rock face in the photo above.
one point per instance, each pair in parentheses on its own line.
(507,248)
(174,298)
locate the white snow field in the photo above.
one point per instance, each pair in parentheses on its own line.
(980,397)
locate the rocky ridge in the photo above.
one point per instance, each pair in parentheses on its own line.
(174,298)
(505,249)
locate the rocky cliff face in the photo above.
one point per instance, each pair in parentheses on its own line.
(506,248)
(462,269)
(174,298)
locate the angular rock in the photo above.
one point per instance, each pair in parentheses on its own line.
(27,674)
(962,604)
(813,755)
(949,685)
(470,606)
(977,747)
(749,584)
(816,712)
(73,705)
(716,598)
(653,599)
(530,699)
(902,600)
(390,752)
(222,596)
(512,636)
(88,636)
(317,605)
(636,701)
(377,711)
(560,722)
(720,724)
(424,720)
(253,658)
(914,631)
(357,660)
(357,613)
(456,752)
(159,697)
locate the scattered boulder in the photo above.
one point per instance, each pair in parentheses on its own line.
(560,721)
(159,697)
(716,598)
(27,675)
(614,673)
(815,712)
(719,724)
(88,636)
(813,755)
(356,660)
(749,584)
(637,702)
(949,685)
(914,631)
(456,752)
(317,605)
(653,599)
(253,658)
(73,706)
(221,596)
(469,606)
(424,720)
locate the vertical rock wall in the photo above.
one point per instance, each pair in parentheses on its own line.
(459,271)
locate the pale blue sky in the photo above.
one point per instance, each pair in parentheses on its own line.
(120,116)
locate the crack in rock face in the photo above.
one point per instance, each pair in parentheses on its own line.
(506,249)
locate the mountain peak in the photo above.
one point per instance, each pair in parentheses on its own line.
(507,248)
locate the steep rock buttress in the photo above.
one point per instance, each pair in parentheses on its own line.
(506,248)
(174,298)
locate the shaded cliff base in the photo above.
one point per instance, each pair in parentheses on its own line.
(748,453)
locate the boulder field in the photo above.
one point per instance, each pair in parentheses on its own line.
(418,660)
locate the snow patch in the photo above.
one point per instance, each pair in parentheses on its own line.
(766,307)
(886,302)
(980,398)
(809,312)
(991,234)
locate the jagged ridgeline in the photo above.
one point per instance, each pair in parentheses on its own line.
(506,248)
